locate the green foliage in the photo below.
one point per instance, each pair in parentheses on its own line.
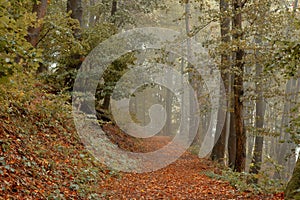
(16,54)
(288,58)
(286,55)
(66,50)
(112,74)
(126,13)
(243,181)
(194,149)
(294,129)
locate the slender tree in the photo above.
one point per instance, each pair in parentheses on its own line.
(260,112)
(218,151)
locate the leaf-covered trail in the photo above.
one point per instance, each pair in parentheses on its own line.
(180,180)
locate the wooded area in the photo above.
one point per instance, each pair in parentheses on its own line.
(255,46)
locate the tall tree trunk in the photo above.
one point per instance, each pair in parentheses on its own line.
(190,69)
(258,146)
(259,121)
(218,151)
(240,160)
(282,148)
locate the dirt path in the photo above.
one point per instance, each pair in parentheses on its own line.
(180,180)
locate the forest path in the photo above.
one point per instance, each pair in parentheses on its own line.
(183,179)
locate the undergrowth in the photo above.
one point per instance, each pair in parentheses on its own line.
(41,155)
(244,181)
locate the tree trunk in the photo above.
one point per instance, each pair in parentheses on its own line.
(281,148)
(190,69)
(168,104)
(250,145)
(260,112)
(113,8)
(40,8)
(106,102)
(75,6)
(240,160)
(295,5)
(292,190)
(218,151)
(91,14)
(113,11)
(232,136)
(33,37)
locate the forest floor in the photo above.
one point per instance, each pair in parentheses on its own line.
(183,179)
(41,159)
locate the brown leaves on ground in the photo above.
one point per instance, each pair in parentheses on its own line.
(41,157)
(180,180)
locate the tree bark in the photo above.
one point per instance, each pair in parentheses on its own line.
(281,149)
(114,8)
(218,151)
(91,14)
(75,6)
(240,161)
(40,8)
(33,37)
(232,142)
(190,69)
(113,11)
(260,112)
(168,104)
